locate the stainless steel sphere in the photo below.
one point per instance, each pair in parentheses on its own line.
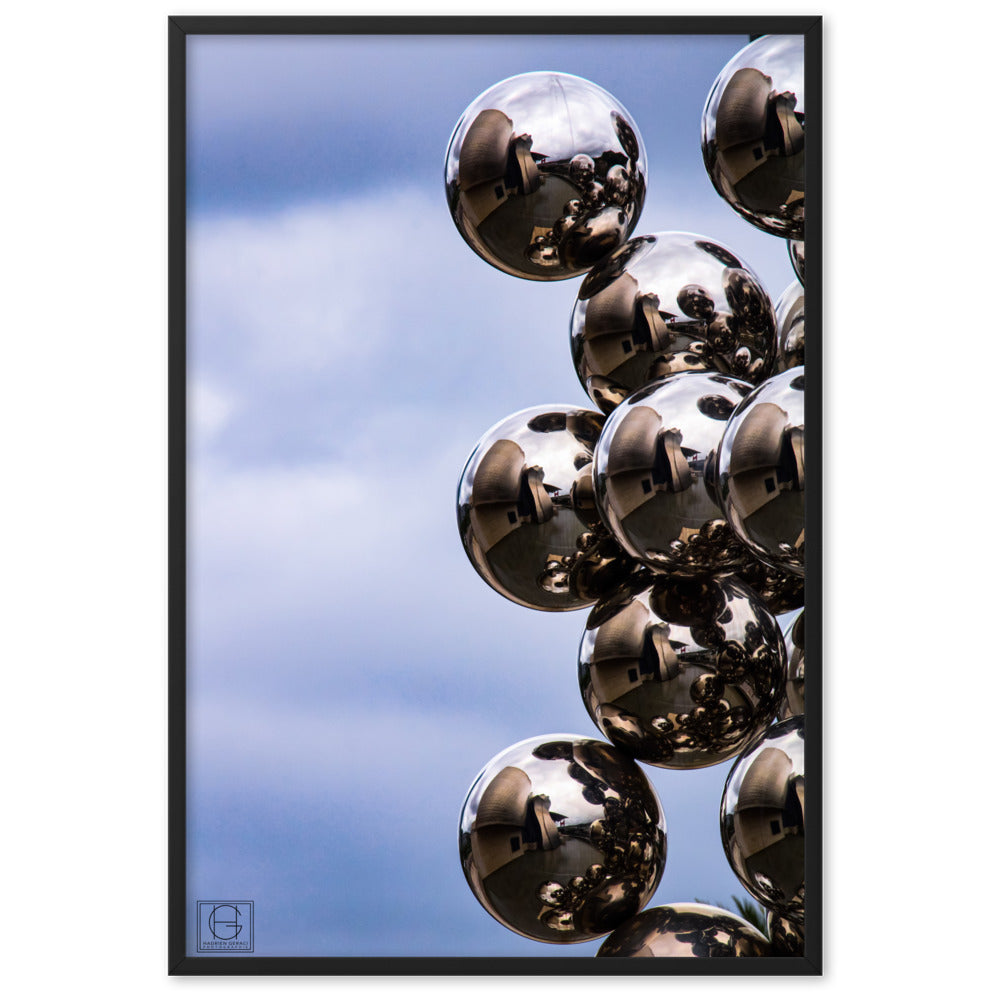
(780,591)
(797,255)
(526,511)
(685,930)
(668,303)
(787,935)
(654,465)
(753,134)
(762,471)
(763,818)
(790,313)
(794,701)
(545,175)
(562,838)
(683,673)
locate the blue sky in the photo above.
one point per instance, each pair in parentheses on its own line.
(349,671)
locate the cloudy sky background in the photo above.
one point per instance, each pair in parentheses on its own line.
(349,673)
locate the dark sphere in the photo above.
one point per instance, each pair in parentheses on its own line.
(788,935)
(763,818)
(781,591)
(794,701)
(753,134)
(654,474)
(669,303)
(682,673)
(526,511)
(545,175)
(562,838)
(762,471)
(790,313)
(797,255)
(685,930)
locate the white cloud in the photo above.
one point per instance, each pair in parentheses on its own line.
(296,289)
(305,749)
(209,408)
(368,348)
(379,286)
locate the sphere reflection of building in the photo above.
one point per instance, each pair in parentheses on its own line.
(685,930)
(790,313)
(526,511)
(753,134)
(562,838)
(763,818)
(682,673)
(668,303)
(545,175)
(762,471)
(654,467)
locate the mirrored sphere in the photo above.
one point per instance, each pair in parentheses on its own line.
(762,471)
(780,591)
(753,134)
(685,930)
(527,515)
(668,303)
(654,474)
(794,702)
(790,313)
(788,935)
(562,838)
(545,175)
(763,818)
(683,673)
(797,255)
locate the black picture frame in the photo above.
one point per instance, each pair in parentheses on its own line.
(180,29)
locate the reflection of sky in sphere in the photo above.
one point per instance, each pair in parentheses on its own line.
(675,399)
(551,778)
(673,261)
(559,453)
(563,114)
(781,57)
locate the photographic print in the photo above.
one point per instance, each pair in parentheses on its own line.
(488,520)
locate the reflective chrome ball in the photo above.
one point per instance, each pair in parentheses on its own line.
(668,303)
(526,511)
(684,673)
(762,471)
(685,930)
(753,134)
(780,591)
(788,935)
(797,255)
(562,838)
(654,467)
(790,313)
(794,701)
(545,175)
(763,818)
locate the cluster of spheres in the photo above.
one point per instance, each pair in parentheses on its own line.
(673,508)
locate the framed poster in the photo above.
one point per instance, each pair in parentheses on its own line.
(575,723)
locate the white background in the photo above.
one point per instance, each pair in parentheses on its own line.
(910,375)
